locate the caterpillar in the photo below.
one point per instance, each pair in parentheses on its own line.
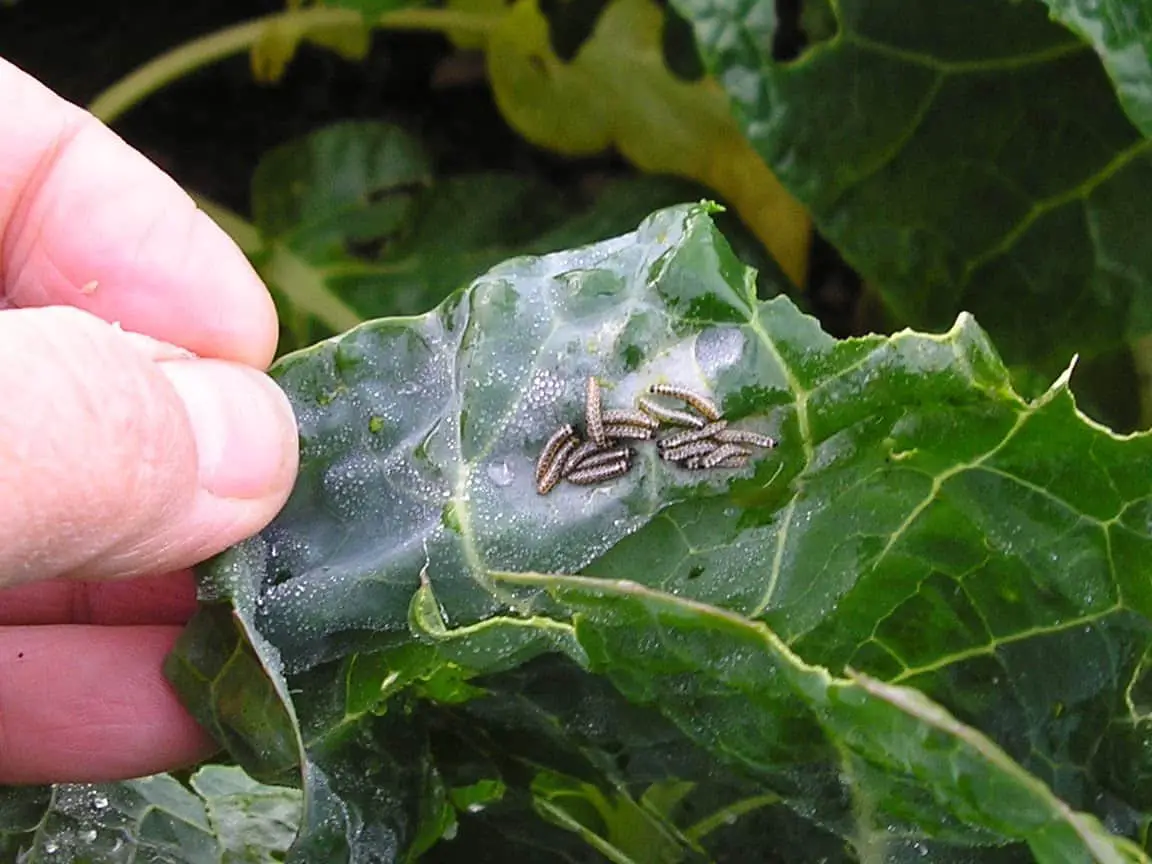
(669,415)
(599,473)
(744,436)
(678,439)
(687,451)
(689,397)
(553,470)
(631,418)
(551,447)
(625,430)
(721,454)
(598,457)
(593,412)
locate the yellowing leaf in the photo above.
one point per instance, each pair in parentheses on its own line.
(618,91)
(274,49)
(465,39)
(351,40)
(282,35)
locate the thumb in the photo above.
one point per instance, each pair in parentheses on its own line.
(121,456)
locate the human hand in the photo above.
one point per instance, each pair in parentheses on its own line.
(124,459)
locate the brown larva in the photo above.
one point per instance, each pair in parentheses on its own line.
(696,463)
(738,460)
(548,454)
(677,439)
(625,430)
(593,412)
(631,418)
(583,451)
(552,473)
(690,397)
(598,457)
(721,454)
(687,451)
(743,436)
(599,473)
(670,415)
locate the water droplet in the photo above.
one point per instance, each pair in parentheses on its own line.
(500,474)
(718,348)
(100,802)
(88,836)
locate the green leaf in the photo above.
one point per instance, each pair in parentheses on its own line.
(683,655)
(253,822)
(617,91)
(234,820)
(920,525)
(961,157)
(348,181)
(1120,32)
(281,36)
(151,819)
(357,228)
(234,691)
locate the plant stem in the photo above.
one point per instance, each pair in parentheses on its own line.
(186,58)
(303,286)
(728,815)
(296,280)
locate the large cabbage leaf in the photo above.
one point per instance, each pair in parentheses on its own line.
(918,628)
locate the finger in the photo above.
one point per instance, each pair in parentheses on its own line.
(167,599)
(87,221)
(113,464)
(91,704)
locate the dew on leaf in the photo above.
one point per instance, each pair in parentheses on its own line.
(543,392)
(717,349)
(500,474)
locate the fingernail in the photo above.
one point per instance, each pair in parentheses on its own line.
(244,428)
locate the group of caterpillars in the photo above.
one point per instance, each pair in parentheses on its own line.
(702,439)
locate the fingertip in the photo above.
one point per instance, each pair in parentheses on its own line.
(85,704)
(246,327)
(244,428)
(87,221)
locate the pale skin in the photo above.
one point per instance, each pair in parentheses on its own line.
(138,436)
